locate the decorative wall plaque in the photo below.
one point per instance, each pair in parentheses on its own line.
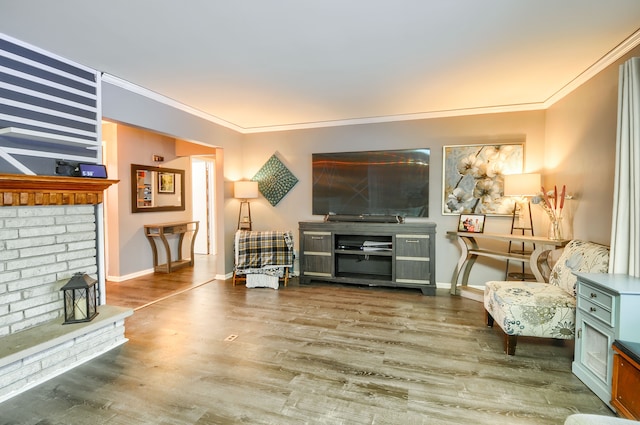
(274,180)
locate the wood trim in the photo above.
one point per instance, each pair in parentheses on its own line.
(626,374)
(25,190)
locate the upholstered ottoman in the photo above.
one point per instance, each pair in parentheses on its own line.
(541,309)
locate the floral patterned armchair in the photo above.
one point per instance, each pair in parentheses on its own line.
(540,309)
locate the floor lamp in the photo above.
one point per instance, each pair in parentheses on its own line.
(522,187)
(245,190)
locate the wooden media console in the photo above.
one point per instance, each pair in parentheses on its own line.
(373,254)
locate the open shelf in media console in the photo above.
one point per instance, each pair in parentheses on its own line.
(363,243)
(363,276)
(382,253)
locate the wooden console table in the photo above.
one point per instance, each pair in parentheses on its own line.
(180,228)
(471,251)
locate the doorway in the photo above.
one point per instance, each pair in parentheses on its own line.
(203,200)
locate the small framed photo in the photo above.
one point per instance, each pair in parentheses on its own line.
(166,183)
(471,223)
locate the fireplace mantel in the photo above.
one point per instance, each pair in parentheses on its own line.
(25,190)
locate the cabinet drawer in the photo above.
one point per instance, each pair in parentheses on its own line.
(595,295)
(413,271)
(412,246)
(595,310)
(180,228)
(317,241)
(316,265)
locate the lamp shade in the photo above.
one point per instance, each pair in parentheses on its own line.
(522,184)
(245,189)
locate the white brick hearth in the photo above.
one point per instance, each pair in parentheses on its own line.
(41,247)
(31,357)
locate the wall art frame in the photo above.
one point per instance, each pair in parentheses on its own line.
(166,183)
(274,180)
(473,177)
(471,223)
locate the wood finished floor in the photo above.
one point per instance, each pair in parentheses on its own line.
(148,289)
(307,354)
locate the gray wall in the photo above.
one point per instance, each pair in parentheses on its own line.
(125,106)
(571,143)
(128,251)
(295,148)
(580,143)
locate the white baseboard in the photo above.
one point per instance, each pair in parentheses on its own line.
(129,276)
(473,293)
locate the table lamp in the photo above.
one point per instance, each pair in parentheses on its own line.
(245,190)
(522,187)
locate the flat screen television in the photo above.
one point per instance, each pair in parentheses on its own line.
(387,183)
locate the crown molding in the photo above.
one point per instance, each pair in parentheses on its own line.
(119,82)
(403,117)
(611,57)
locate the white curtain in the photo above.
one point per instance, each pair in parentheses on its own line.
(625,230)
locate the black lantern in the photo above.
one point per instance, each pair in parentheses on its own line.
(80,299)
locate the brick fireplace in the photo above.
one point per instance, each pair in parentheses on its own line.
(41,249)
(48,232)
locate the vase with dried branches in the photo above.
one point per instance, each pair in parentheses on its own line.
(552,203)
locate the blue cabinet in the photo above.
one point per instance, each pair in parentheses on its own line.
(607,309)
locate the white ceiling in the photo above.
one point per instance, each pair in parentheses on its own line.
(271,64)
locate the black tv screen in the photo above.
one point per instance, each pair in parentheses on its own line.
(390,182)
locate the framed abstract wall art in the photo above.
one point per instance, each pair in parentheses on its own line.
(274,180)
(473,177)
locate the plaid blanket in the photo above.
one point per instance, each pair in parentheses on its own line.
(263,250)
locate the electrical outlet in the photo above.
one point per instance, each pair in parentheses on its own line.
(157,158)
(231,338)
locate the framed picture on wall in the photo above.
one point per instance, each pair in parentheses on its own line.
(471,223)
(166,183)
(473,177)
